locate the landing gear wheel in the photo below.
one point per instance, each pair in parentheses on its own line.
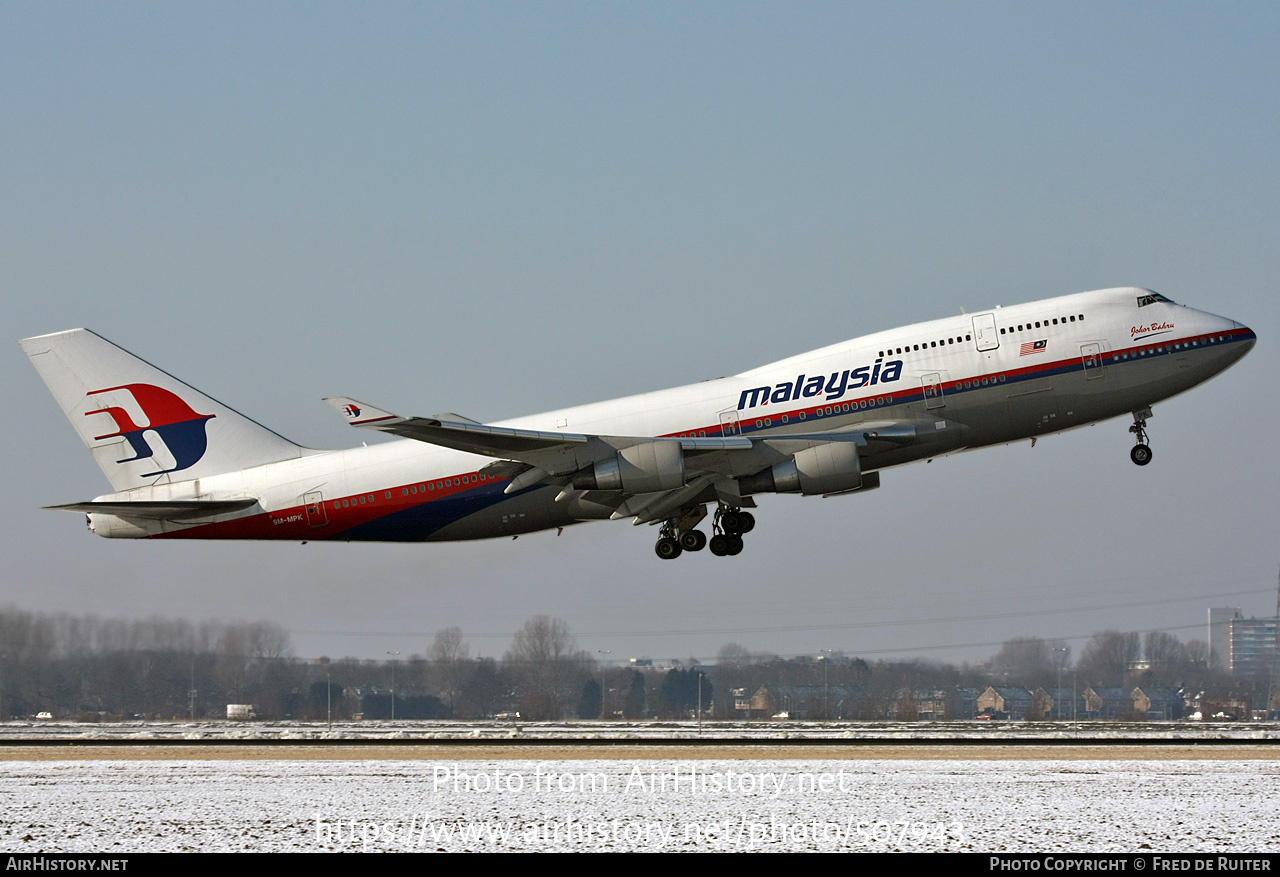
(667,548)
(1141,453)
(729,525)
(693,540)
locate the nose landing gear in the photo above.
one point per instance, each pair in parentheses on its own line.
(1141,453)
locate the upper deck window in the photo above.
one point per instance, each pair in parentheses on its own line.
(1151,298)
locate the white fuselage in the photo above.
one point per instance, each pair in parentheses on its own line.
(963,382)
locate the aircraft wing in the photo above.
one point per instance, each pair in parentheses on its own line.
(530,457)
(557,453)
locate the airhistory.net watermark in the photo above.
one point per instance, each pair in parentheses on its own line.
(681,780)
(741,832)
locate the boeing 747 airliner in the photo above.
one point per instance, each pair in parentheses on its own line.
(184,466)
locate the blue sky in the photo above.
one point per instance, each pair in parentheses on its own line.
(497,209)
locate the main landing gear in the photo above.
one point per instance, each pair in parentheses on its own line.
(728,526)
(1141,453)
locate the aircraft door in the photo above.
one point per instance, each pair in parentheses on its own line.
(985,334)
(313,502)
(932,384)
(729,422)
(1091,354)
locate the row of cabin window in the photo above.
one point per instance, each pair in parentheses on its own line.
(1038,324)
(892,351)
(1169,348)
(412,489)
(441,485)
(831,409)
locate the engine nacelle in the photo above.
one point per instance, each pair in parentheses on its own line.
(644,468)
(828,468)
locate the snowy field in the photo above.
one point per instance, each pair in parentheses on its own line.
(622,804)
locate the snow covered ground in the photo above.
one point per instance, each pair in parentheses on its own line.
(623,804)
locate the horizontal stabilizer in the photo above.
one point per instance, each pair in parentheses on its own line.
(167,510)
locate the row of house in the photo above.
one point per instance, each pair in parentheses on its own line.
(1004,702)
(1090,703)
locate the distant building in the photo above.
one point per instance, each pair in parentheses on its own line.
(1006,702)
(1252,645)
(760,705)
(1158,703)
(1108,703)
(660,664)
(1057,703)
(962,703)
(816,701)
(1220,636)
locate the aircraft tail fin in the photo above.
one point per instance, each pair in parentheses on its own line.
(142,425)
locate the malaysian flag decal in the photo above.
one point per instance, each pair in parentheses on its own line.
(1032,347)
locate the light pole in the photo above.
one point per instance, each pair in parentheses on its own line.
(328,693)
(191,692)
(603,668)
(393,684)
(1057,695)
(824,656)
(699,700)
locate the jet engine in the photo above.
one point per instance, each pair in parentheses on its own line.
(833,467)
(645,468)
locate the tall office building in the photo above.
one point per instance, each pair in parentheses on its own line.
(1220,636)
(1253,646)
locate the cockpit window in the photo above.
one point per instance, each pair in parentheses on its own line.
(1151,298)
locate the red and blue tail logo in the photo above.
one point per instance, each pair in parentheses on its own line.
(180,428)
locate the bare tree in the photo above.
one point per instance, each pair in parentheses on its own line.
(732,654)
(447,663)
(1108,655)
(448,647)
(1197,654)
(1165,653)
(268,641)
(545,659)
(1025,660)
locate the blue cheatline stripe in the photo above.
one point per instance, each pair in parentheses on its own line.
(419,522)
